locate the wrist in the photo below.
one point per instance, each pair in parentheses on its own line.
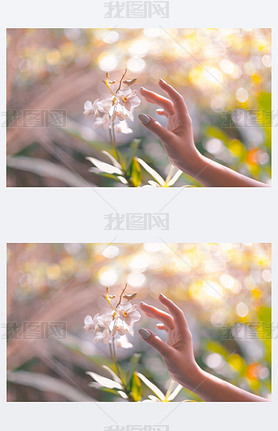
(195,377)
(194,164)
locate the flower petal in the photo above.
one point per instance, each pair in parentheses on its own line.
(152,386)
(113,160)
(175,178)
(88,320)
(105,167)
(111,372)
(88,105)
(104,381)
(151,171)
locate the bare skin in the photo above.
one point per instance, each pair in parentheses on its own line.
(178,141)
(178,356)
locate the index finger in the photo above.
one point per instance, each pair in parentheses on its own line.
(175,96)
(153,97)
(175,311)
(156,313)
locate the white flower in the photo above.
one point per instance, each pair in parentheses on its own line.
(104,320)
(91,323)
(123,342)
(104,336)
(98,322)
(103,121)
(105,105)
(114,325)
(128,313)
(98,107)
(120,112)
(128,98)
(90,109)
(122,127)
(119,106)
(119,326)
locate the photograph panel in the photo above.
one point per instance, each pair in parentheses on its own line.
(139,322)
(138,107)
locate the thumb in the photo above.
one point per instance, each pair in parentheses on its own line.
(155,127)
(156,342)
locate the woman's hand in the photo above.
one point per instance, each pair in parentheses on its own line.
(177,139)
(177,351)
(177,136)
(177,354)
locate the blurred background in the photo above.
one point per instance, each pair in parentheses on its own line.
(224,290)
(224,75)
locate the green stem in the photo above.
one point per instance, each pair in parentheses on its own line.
(114,359)
(117,154)
(118,372)
(113,142)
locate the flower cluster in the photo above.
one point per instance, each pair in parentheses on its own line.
(112,112)
(115,325)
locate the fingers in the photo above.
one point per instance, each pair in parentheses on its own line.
(158,314)
(162,112)
(153,340)
(176,97)
(175,311)
(155,127)
(157,99)
(162,327)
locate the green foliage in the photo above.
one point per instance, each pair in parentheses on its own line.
(134,173)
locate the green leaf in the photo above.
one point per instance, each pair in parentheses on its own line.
(135,387)
(170,173)
(170,388)
(104,167)
(103,381)
(118,393)
(152,386)
(115,177)
(133,365)
(112,374)
(175,393)
(135,173)
(152,172)
(174,179)
(133,147)
(112,159)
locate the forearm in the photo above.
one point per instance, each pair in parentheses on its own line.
(213,174)
(211,388)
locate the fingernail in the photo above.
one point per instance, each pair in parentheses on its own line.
(144,118)
(163,296)
(144,333)
(143,303)
(143,88)
(162,80)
